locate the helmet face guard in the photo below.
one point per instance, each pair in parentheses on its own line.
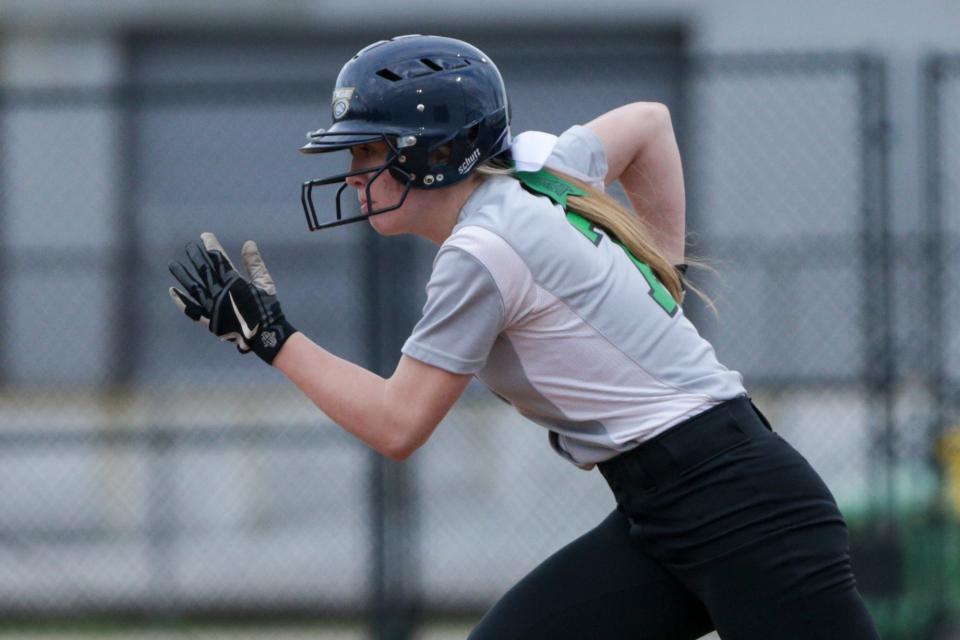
(306,191)
(438,104)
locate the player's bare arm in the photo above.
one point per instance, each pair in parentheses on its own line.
(394,415)
(642,154)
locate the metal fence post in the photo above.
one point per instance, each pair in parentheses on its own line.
(934,223)
(127,97)
(878,304)
(4,260)
(392,499)
(160,444)
(935,347)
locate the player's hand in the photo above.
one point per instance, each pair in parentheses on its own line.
(241,310)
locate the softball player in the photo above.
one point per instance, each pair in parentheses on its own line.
(567,305)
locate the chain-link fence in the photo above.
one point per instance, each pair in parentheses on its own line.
(148,470)
(941,101)
(785,175)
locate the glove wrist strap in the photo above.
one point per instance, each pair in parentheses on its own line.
(269,340)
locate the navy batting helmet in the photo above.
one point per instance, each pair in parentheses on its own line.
(438,103)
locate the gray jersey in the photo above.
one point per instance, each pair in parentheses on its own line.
(564,329)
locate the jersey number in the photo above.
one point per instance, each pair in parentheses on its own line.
(658,292)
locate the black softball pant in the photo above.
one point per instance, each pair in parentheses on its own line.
(720,524)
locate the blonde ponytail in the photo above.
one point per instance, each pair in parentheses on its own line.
(617,221)
(625,226)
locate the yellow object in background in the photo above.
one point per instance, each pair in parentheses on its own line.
(950,454)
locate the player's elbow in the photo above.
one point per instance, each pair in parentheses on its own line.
(400,451)
(397,450)
(406,439)
(399,455)
(651,118)
(659,111)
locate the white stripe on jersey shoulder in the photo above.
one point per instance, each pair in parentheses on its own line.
(531,149)
(510,273)
(534,150)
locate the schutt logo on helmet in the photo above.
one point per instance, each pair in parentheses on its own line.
(469,162)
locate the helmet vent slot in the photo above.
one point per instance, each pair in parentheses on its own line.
(389,75)
(420,67)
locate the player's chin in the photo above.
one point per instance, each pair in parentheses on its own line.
(386,224)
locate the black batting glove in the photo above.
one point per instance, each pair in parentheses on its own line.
(241,310)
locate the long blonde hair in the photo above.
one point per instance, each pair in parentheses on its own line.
(617,221)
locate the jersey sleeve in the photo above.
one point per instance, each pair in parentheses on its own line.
(579,153)
(462,317)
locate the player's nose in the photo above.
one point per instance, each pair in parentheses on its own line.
(359,180)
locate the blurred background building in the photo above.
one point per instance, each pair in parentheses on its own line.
(150,475)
